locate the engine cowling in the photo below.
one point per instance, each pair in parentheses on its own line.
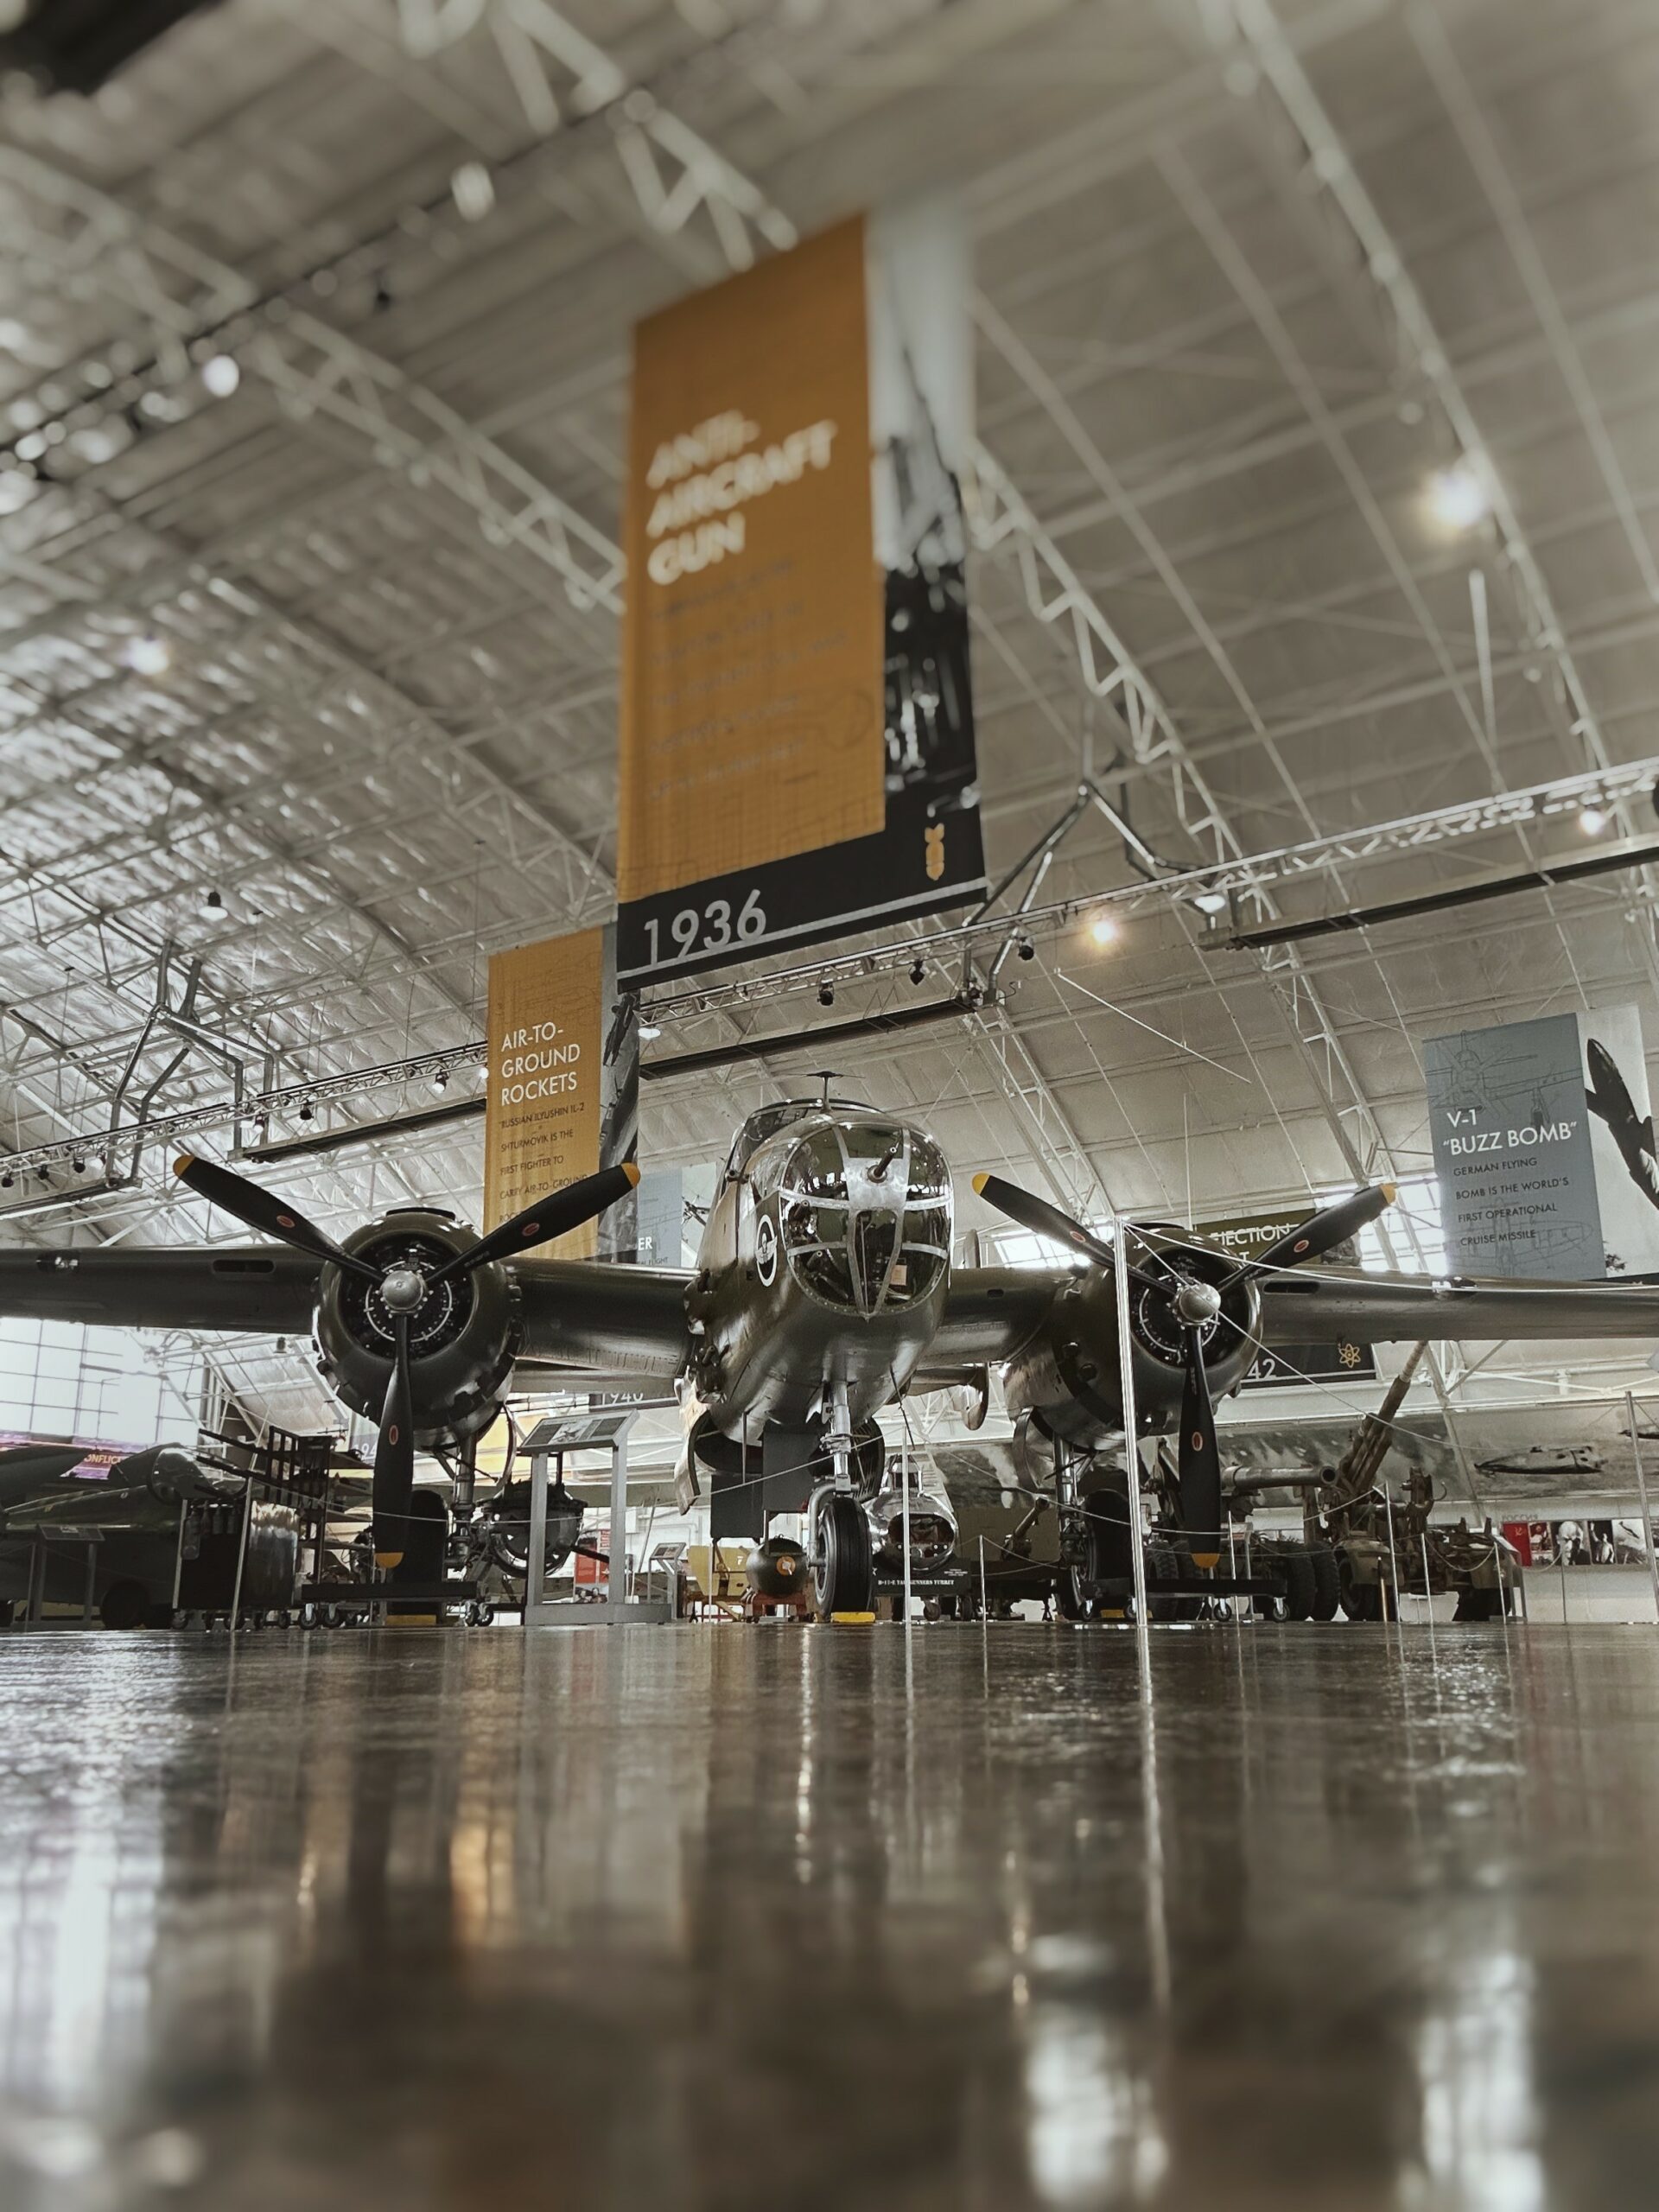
(1068,1377)
(463,1341)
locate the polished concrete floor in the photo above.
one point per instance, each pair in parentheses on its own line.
(728,1917)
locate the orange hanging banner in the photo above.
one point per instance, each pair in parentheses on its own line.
(563,1079)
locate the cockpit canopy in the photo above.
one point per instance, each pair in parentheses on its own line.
(766,1121)
(865,1209)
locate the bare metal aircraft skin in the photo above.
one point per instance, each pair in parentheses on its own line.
(823,1291)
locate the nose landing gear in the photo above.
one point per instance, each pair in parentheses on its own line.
(843,1571)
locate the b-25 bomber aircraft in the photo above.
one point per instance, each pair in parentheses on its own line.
(824,1290)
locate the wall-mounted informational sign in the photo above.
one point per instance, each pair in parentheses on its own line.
(797,741)
(1544,1147)
(1337,1359)
(564,1098)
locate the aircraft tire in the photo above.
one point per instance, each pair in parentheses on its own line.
(1361,1601)
(1073,1604)
(1299,1589)
(1167,1557)
(1475,1605)
(843,1575)
(125,1605)
(1327,1590)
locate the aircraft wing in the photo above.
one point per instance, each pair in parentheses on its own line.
(591,1313)
(578,1314)
(251,1286)
(1314,1305)
(991,1313)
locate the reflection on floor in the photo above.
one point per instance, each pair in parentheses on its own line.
(724,1917)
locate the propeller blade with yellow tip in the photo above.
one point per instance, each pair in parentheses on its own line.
(1043,1220)
(556,1215)
(1322,1232)
(261,1208)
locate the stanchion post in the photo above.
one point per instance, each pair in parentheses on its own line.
(1642,1492)
(1131,1444)
(1394,1564)
(536,1557)
(905,1463)
(178,1554)
(241,1555)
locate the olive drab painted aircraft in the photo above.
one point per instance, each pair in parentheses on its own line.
(824,1290)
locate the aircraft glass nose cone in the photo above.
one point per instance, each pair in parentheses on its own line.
(1198,1302)
(403,1290)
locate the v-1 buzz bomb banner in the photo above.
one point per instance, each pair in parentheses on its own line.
(1544,1147)
(563,1072)
(797,735)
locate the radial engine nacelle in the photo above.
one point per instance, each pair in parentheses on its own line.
(463,1337)
(1068,1377)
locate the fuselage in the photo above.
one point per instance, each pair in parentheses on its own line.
(825,1262)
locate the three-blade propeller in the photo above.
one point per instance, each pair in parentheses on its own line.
(405,1288)
(1193,1303)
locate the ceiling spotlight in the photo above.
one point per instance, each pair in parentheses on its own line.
(221,375)
(7,1180)
(149,656)
(308,1111)
(441,1079)
(649,1032)
(1592,820)
(1104,929)
(1027,949)
(472,190)
(1210,902)
(78,1165)
(1456,497)
(826,994)
(211,905)
(918,966)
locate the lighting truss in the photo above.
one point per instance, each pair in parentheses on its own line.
(1251,875)
(92,244)
(672,169)
(1565,798)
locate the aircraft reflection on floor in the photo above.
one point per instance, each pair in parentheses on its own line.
(391,1912)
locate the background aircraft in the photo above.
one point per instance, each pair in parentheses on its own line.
(824,1290)
(128,1513)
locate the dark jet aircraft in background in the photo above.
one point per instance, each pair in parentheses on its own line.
(1607,1096)
(129,1514)
(823,1291)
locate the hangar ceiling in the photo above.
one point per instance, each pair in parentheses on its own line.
(339,644)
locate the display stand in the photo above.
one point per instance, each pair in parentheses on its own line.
(554,1439)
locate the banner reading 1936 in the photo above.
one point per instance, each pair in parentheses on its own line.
(797,733)
(563,1075)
